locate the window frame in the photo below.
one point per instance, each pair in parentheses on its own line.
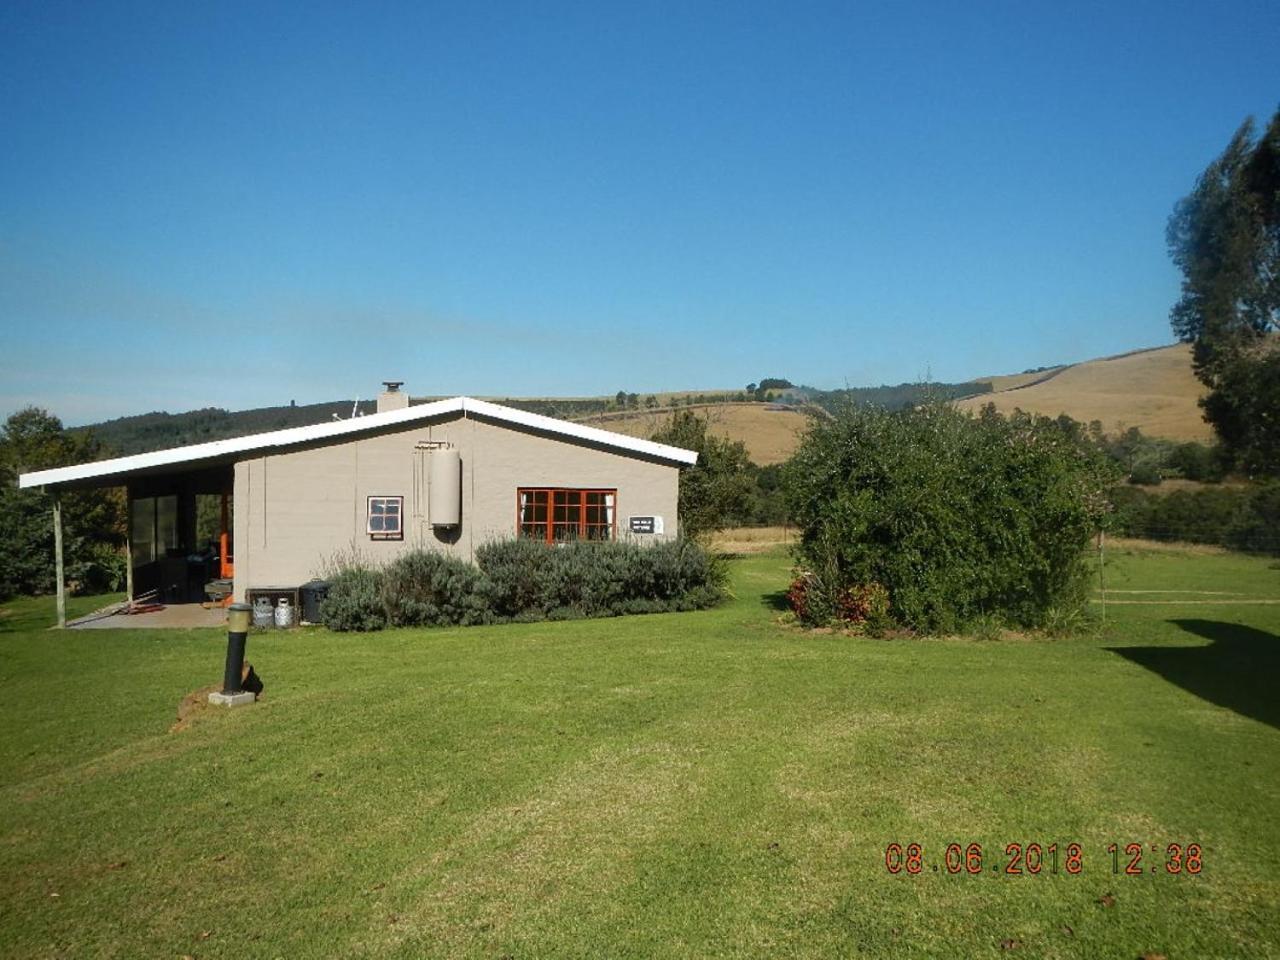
(398,533)
(550,523)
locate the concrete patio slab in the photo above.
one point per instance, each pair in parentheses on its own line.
(178,616)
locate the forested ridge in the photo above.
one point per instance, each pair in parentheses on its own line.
(160,430)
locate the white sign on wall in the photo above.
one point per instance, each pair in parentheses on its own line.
(647,525)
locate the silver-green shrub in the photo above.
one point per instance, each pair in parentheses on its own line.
(425,588)
(354,601)
(522,581)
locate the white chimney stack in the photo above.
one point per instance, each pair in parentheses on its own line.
(392,397)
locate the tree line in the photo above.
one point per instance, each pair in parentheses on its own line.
(93,520)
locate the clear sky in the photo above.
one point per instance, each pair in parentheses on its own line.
(236,205)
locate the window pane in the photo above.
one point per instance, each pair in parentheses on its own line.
(533,506)
(384,515)
(567,513)
(142,530)
(166,524)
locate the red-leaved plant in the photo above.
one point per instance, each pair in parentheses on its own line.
(812,602)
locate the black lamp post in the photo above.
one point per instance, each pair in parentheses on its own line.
(238,617)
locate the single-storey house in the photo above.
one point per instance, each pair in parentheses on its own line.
(269,510)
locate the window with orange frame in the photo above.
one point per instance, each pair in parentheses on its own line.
(557,514)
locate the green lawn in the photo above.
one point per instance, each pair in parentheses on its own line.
(702,784)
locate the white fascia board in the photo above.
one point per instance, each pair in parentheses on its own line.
(218,449)
(293,436)
(581,431)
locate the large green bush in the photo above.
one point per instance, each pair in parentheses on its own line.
(957,517)
(524,580)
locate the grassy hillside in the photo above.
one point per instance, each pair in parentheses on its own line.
(1015,381)
(770,431)
(1154,390)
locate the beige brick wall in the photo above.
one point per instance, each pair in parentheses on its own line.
(295,511)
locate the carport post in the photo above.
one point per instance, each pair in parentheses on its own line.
(57,560)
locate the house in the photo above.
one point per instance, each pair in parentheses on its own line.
(267,511)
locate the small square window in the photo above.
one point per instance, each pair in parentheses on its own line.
(385,518)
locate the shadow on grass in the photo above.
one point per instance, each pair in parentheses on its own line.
(1238,670)
(777,600)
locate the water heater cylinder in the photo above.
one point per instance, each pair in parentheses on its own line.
(445,478)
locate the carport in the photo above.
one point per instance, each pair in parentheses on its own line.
(179,536)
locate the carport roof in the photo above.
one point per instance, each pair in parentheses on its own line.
(120,469)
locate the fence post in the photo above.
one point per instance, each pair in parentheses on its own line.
(1102,579)
(59,573)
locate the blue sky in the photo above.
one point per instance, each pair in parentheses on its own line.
(215,204)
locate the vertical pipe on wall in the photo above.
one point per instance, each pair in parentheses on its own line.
(263,485)
(57,559)
(128,543)
(357,508)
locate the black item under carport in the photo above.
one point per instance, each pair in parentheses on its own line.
(313,594)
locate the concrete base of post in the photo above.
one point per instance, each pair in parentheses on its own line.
(232,699)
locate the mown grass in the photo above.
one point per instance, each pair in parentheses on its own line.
(687,785)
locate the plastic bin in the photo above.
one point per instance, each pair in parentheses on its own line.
(312,595)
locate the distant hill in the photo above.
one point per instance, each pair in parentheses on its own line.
(1154,390)
(159,431)
(770,431)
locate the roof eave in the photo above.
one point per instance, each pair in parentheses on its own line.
(238,448)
